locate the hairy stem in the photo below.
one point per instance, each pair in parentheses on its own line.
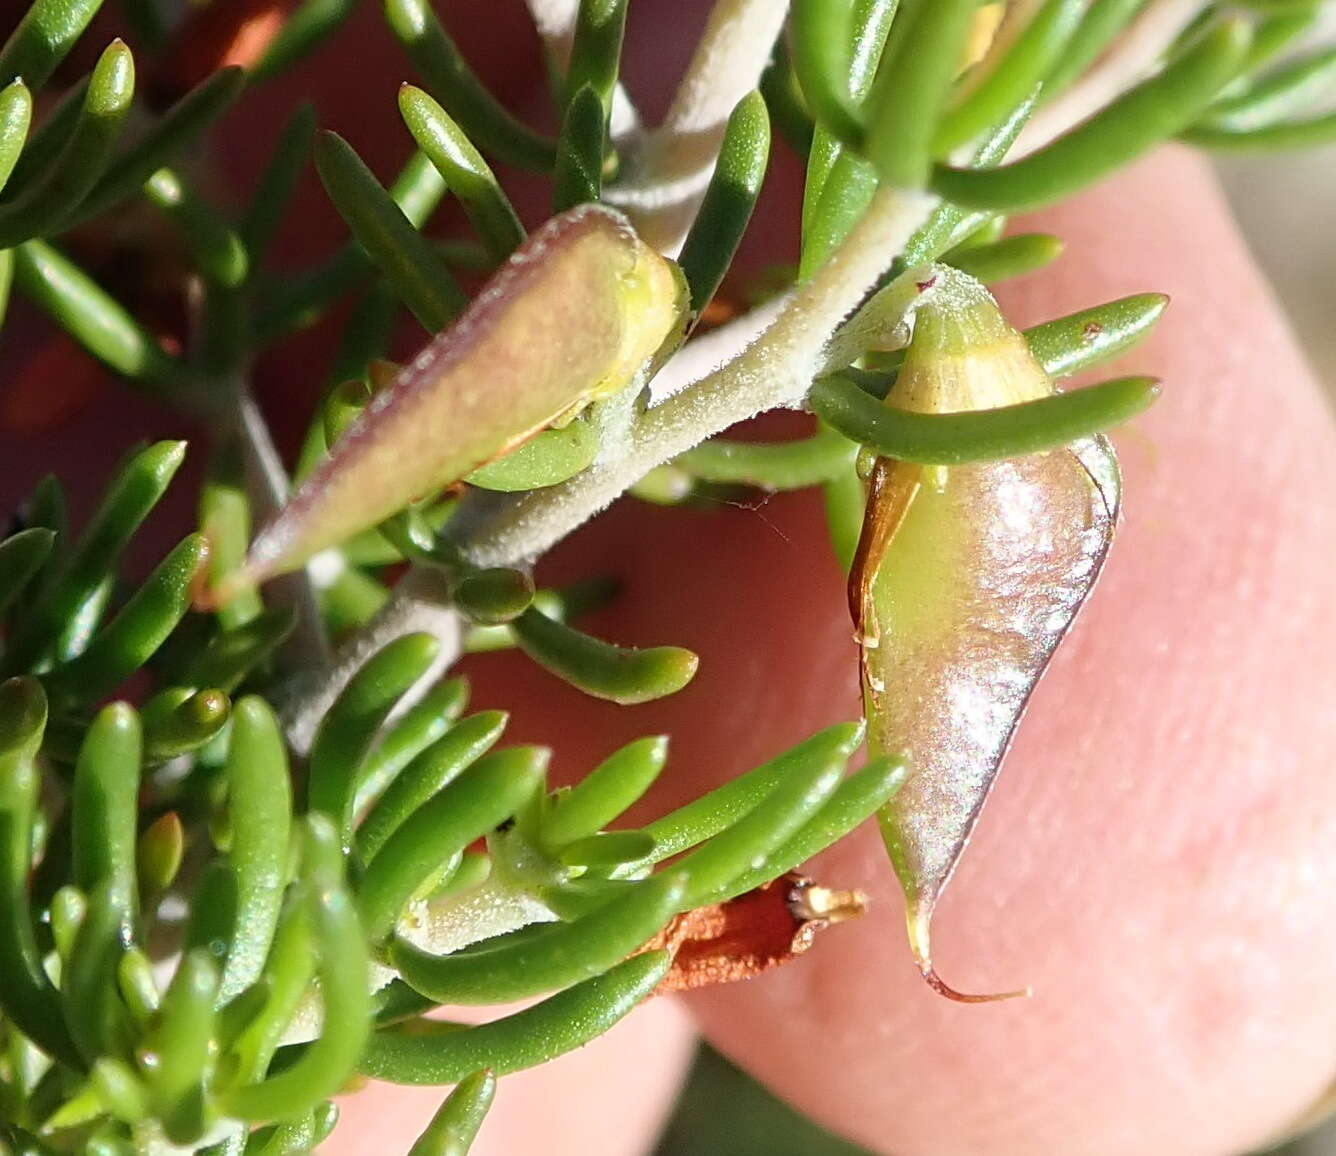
(669,177)
(774,371)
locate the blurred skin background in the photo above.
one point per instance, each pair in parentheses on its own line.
(1158,860)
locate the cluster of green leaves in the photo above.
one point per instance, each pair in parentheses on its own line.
(175,882)
(287,874)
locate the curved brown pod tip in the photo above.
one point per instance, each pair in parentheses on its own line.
(965,582)
(573,315)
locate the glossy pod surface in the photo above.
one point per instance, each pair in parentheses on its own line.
(572,316)
(967,580)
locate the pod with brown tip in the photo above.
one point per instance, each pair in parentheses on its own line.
(965,581)
(572,317)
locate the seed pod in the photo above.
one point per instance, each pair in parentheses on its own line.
(571,317)
(965,580)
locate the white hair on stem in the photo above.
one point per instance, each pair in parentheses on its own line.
(773,371)
(669,176)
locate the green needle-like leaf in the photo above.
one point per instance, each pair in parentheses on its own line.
(950,439)
(105,806)
(596,49)
(855,800)
(91,316)
(1022,69)
(549,457)
(607,849)
(911,87)
(791,465)
(138,987)
(15,117)
(949,225)
(603,794)
(158,856)
(90,989)
(46,33)
(844,500)
(22,556)
(286,981)
(259,809)
(342,406)
(492,596)
(351,723)
(869,23)
(136,633)
(713,812)
(746,845)
(129,498)
(424,723)
(1067,345)
(174,132)
(844,196)
(450,80)
(1152,111)
(417,191)
(302,30)
(180,1048)
(1100,25)
(233,654)
(225,520)
(381,227)
(578,175)
(729,200)
(43,204)
(180,720)
(456,1123)
(329,1060)
(26,994)
(465,172)
(215,247)
(119,1089)
(475,804)
(1286,91)
(432,770)
(1009,257)
(432,1053)
(555,957)
(821,37)
(618,673)
(784,98)
(273,192)
(1292,134)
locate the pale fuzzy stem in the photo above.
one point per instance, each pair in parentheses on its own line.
(421,602)
(706,353)
(1133,57)
(555,21)
(774,371)
(670,176)
(267,486)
